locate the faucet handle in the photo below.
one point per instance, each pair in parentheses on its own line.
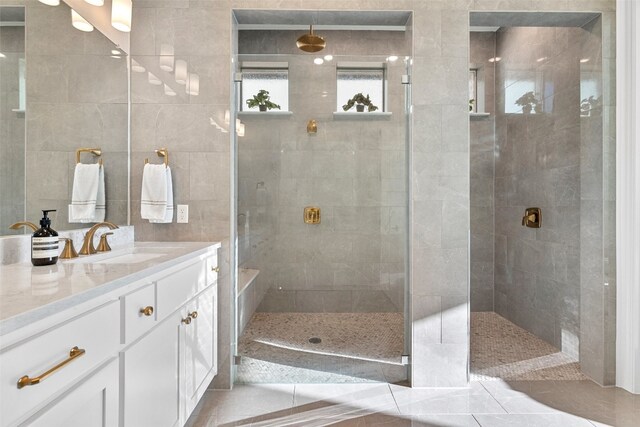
(103,246)
(69,251)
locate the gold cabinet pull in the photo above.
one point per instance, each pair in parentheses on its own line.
(74,353)
(147,311)
(193,315)
(215,269)
(187,320)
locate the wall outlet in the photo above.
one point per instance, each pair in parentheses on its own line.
(183,214)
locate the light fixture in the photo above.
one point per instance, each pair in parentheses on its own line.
(227,117)
(181,72)
(153,79)
(328,57)
(241,129)
(541,59)
(318,61)
(193,86)
(310,42)
(2,55)
(136,67)
(392,58)
(121,15)
(495,59)
(168,91)
(50,2)
(583,60)
(166,57)
(79,23)
(95,2)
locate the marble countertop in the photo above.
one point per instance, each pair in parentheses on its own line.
(29,294)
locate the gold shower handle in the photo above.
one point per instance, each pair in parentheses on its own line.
(528,218)
(532,218)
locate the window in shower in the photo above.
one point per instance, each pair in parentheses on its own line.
(359,78)
(272,77)
(473,90)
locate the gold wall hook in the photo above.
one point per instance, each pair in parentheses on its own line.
(312,126)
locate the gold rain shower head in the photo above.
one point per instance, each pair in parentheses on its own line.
(310,42)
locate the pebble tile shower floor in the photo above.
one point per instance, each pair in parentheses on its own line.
(366,347)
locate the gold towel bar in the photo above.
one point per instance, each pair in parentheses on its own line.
(74,353)
(161,152)
(95,151)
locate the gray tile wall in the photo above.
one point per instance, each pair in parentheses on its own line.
(353,170)
(12,130)
(76,97)
(440,154)
(482,146)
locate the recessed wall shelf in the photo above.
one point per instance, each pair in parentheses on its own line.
(338,115)
(264,113)
(18,110)
(472,115)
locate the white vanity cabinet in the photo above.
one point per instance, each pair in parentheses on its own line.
(141,355)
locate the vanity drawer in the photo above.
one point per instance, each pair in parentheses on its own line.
(175,289)
(96,334)
(138,312)
(212,269)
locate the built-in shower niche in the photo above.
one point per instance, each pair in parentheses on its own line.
(347,261)
(540,148)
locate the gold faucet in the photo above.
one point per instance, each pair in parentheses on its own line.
(17,225)
(87,246)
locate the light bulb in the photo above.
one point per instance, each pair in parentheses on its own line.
(241,129)
(181,71)
(154,80)
(166,57)
(193,86)
(318,61)
(328,57)
(80,23)
(168,91)
(121,15)
(136,67)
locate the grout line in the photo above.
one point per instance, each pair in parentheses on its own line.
(476,420)
(493,397)
(394,398)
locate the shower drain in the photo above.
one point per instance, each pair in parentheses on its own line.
(315,340)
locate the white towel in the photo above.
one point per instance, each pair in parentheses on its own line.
(157,194)
(88,195)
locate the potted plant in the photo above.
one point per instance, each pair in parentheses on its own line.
(360,101)
(471,102)
(262,101)
(528,102)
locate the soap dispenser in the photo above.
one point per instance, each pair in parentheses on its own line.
(44,243)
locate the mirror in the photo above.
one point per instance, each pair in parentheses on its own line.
(61,89)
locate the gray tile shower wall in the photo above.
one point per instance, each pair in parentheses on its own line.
(537,271)
(482,146)
(440,151)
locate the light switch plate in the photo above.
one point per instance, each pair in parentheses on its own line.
(183,214)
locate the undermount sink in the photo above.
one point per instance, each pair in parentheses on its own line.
(127,256)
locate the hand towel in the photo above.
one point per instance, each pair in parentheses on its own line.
(156,203)
(88,194)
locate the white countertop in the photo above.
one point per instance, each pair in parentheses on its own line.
(29,294)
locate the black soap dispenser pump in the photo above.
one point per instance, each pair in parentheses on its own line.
(44,242)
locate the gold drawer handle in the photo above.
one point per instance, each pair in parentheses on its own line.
(193,315)
(187,320)
(74,353)
(215,269)
(147,311)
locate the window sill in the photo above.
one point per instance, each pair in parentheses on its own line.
(338,115)
(264,113)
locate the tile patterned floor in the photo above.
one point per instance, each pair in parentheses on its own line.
(485,404)
(502,350)
(355,347)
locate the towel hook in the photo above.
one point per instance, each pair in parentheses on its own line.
(161,152)
(97,152)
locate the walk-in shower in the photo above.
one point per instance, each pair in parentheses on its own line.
(538,203)
(322,197)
